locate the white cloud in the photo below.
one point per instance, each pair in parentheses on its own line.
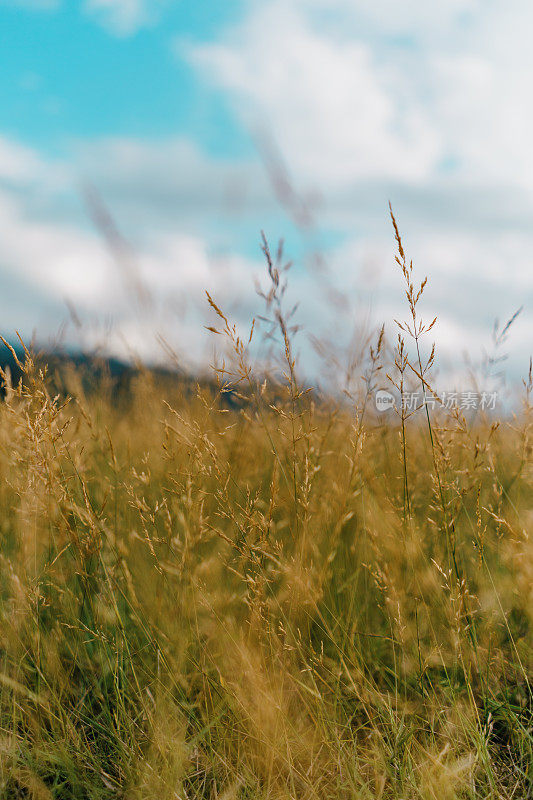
(22,166)
(355,90)
(415,19)
(329,101)
(474,275)
(472,281)
(48,256)
(152,181)
(366,103)
(425,104)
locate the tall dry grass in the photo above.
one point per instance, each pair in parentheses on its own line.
(247,591)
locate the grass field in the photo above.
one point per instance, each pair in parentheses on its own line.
(263,593)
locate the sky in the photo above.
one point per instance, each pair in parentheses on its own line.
(144,145)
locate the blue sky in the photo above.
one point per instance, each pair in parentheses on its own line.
(182,117)
(64,75)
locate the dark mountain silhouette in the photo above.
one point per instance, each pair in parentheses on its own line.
(101,373)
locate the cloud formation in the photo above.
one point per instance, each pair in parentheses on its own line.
(425,106)
(51,257)
(366,102)
(379,90)
(46,245)
(329,101)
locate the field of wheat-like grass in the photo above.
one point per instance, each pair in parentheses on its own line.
(245,590)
